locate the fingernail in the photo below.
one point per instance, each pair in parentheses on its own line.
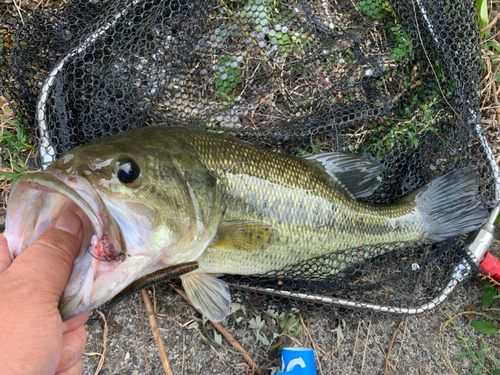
(69,222)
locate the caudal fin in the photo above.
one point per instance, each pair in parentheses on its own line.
(449,206)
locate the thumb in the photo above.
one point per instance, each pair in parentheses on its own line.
(48,261)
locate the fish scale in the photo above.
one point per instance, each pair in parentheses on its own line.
(312,214)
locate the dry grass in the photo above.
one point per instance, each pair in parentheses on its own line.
(104,345)
(490,52)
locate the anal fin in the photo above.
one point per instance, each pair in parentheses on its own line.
(208,294)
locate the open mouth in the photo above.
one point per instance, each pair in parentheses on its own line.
(37,199)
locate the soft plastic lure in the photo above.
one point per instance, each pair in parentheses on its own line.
(153,279)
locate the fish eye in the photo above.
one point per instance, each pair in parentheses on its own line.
(127,171)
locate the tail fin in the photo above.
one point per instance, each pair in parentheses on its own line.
(449,206)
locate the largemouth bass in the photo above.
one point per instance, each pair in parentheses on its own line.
(157,197)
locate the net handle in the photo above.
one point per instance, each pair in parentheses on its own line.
(479,241)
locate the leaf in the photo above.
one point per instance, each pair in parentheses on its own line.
(496,371)
(235,306)
(484,327)
(483,278)
(463,354)
(488,296)
(482,352)
(217,338)
(482,7)
(263,339)
(256,323)
(493,43)
(497,362)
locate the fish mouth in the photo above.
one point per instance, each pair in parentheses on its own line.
(36,200)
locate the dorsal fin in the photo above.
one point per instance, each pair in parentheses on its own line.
(359,176)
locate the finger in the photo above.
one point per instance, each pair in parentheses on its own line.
(49,260)
(76,369)
(72,348)
(73,323)
(5,259)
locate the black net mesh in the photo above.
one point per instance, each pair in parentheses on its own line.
(298,76)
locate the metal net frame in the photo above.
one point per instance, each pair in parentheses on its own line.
(394,81)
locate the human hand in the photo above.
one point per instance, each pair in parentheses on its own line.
(33,337)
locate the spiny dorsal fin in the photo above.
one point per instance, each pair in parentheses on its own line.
(208,294)
(358,175)
(244,236)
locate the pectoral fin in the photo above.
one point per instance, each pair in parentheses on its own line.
(243,235)
(359,176)
(208,294)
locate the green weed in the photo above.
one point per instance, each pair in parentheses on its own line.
(482,10)
(228,75)
(377,9)
(386,138)
(490,56)
(256,324)
(16,146)
(288,325)
(402,49)
(483,357)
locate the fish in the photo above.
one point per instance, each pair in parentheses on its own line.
(160,196)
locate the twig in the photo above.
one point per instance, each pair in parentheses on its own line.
(312,343)
(391,343)
(382,350)
(366,346)
(183,351)
(228,337)
(156,333)
(224,362)
(401,346)
(355,343)
(434,73)
(143,337)
(181,325)
(104,335)
(490,24)
(495,97)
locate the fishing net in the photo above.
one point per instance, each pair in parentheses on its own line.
(394,81)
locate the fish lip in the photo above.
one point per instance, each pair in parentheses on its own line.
(55,182)
(86,197)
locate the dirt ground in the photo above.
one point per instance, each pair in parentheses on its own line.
(358,347)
